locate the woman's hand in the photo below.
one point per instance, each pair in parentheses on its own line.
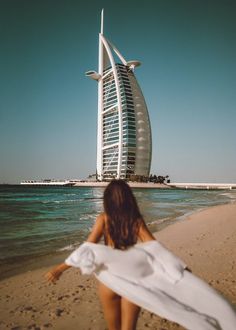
(54,274)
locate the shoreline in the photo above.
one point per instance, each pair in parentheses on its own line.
(214,226)
(205,240)
(138,185)
(172,185)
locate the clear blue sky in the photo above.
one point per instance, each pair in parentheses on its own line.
(48,108)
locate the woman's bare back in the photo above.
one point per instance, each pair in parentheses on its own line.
(120,313)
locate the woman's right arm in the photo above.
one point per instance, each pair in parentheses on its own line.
(96,233)
(97,230)
(144,233)
(55,273)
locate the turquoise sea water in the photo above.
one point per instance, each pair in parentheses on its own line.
(39,221)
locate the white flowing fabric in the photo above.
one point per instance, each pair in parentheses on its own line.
(152,277)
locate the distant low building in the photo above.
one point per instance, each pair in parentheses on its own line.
(91,178)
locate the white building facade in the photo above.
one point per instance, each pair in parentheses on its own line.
(124,142)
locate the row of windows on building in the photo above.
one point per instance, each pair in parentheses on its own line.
(131,133)
(128,116)
(126,108)
(126,127)
(128,119)
(127,153)
(111,125)
(107,93)
(113,166)
(129,160)
(113,98)
(109,82)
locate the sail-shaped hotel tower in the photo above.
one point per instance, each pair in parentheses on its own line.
(124,143)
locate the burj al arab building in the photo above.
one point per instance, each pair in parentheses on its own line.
(124,143)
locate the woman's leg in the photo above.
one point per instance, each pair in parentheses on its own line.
(111,304)
(129,314)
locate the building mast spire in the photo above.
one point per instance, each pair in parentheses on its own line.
(100,102)
(102,14)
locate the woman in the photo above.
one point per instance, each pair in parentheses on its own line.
(146,274)
(122,226)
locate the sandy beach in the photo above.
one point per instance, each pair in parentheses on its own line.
(205,240)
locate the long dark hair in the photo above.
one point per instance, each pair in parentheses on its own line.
(123,215)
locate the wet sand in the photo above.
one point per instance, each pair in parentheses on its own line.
(206,241)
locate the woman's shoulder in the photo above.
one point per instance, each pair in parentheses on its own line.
(101,218)
(97,230)
(144,233)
